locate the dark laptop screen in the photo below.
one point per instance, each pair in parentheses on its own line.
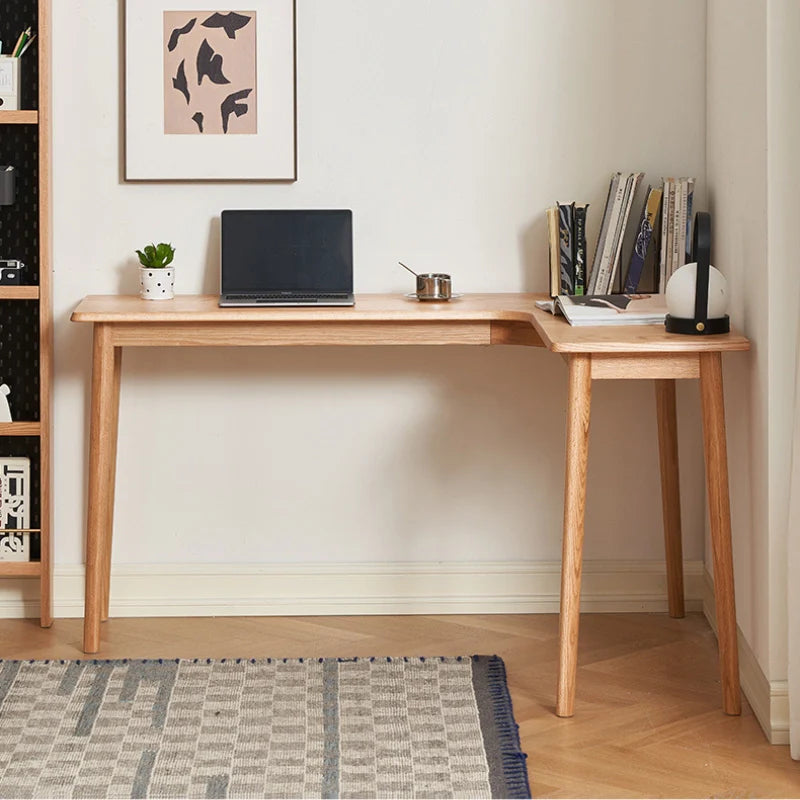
(277,251)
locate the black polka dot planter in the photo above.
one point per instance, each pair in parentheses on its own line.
(157,283)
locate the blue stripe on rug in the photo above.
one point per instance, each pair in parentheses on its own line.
(508,774)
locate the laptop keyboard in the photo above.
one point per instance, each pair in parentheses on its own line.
(282,296)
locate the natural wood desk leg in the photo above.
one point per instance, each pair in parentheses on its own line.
(720,517)
(670,492)
(112,478)
(579,399)
(102,446)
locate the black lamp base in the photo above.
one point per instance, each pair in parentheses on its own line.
(695,328)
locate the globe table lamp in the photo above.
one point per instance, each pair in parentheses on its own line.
(697,293)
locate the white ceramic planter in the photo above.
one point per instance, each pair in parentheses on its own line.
(157,284)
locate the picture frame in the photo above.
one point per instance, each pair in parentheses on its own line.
(210,90)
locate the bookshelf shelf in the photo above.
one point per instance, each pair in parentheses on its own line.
(19,292)
(21,569)
(19,117)
(20,428)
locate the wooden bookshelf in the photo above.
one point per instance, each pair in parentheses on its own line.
(27,145)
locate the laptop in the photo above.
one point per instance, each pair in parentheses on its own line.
(287,258)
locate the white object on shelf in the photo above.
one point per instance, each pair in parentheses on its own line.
(680,292)
(9,83)
(15,484)
(5,411)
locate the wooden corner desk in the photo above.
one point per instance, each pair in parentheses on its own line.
(642,352)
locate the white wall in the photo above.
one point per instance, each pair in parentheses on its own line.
(753,172)
(447,126)
(737,181)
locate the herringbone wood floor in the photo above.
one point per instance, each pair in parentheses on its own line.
(647,724)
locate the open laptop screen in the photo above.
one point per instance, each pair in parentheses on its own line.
(287,251)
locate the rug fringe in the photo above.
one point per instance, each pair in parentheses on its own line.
(513,759)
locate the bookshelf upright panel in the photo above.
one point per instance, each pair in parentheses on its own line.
(26,326)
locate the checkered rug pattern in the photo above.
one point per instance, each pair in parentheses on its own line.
(328,728)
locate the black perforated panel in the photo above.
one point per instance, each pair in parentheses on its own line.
(19,357)
(19,222)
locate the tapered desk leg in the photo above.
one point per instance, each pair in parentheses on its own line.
(579,399)
(670,492)
(719,512)
(102,446)
(112,478)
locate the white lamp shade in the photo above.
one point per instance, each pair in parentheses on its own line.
(680,293)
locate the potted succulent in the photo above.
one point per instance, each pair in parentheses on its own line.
(156,276)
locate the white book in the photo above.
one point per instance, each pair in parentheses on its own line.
(667,227)
(630,192)
(601,236)
(684,186)
(600,284)
(676,229)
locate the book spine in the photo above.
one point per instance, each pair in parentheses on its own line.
(662,261)
(604,270)
(689,204)
(669,227)
(676,227)
(554,251)
(566,247)
(644,235)
(601,236)
(580,248)
(681,237)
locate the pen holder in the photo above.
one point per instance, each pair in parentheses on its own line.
(9,83)
(8,185)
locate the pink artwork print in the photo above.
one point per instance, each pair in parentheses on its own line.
(210,72)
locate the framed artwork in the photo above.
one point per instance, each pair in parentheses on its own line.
(210,90)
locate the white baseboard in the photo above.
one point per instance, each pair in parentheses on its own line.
(768,699)
(357,588)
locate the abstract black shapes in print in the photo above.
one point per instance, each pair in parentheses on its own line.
(230,23)
(178,32)
(209,64)
(198,118)
(180,83)
(231,106)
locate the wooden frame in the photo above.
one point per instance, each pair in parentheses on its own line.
(635,352)
(42,293)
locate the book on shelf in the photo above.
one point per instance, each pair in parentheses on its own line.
(566,239)
(566,236)
(579,215)
(608,309)
(605,266)
(603,232)
(644,235)
(554,251)
(676,226)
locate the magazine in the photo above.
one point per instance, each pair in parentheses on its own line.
(608,309)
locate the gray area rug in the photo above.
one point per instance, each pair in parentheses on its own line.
(365,727)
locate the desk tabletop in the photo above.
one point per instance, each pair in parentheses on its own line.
(517,309)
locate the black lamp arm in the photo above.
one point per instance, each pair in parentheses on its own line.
(701,253)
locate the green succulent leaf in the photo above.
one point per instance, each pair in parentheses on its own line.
(156,256)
